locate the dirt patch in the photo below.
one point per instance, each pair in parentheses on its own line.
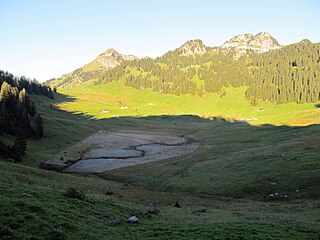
(105,151)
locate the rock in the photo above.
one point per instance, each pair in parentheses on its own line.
(177,205)
(109,191)
(200,210)
(153,211)
(52,166)
(153,208)
(57,234)
(189,211)
(133,219)
(89,200)
(73,193)
(115,221)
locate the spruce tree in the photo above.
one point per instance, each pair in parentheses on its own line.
(19,148)
(39,126)
(23,97)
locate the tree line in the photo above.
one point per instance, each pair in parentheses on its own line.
(18,113)
(289,74)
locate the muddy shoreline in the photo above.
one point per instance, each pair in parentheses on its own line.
(105,151)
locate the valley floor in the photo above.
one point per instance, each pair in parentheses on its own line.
(241,182)
(114,99)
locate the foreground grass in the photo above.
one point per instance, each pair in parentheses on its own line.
(33,207)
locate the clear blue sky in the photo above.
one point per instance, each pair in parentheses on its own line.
(46,38)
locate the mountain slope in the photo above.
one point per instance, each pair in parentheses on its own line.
(104,62)
(288,74)
(285,74)
(239,45)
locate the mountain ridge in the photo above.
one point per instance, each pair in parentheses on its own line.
(239,45)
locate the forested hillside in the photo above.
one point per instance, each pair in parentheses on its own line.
(288,74)
(18,114)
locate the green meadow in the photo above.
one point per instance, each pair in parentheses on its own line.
(105,101)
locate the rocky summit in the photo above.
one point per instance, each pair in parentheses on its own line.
(111,58)
(243,44)
(94,69)
(192,47)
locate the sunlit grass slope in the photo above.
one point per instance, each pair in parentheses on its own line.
(115,99)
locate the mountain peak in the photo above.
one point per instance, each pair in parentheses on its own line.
(111,58)
(192,47)
(264,41)
(263,34)
(107,60)
(305,41)
(111,52)
(242,44)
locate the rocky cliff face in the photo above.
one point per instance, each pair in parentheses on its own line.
(239,45)
(111,58)
(243,44)
(192,47)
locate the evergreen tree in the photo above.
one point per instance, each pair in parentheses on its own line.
(19,148)
(18,112)
(23,97)
(39,126)
(5,92)
(33,109)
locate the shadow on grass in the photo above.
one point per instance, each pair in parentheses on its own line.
(62,98)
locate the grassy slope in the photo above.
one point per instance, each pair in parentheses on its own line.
(220,177)
(33,207)
(92,100)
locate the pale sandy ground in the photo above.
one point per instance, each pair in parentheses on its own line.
(105,151)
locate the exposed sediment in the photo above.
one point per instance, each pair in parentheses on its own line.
(105,151)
